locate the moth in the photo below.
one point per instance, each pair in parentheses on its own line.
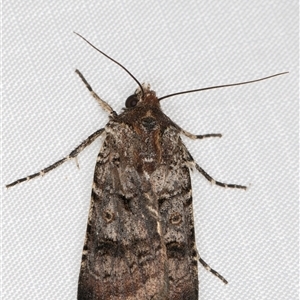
(140,237)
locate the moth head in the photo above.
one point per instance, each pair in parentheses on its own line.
(142,96)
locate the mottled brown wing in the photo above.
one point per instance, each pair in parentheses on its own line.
(124,256)
(176,212)
(140,235)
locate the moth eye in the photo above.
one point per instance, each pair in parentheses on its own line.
(131,101)
(175,218)
(108,216)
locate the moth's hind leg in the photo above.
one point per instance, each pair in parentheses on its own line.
(208,268)
(73,154)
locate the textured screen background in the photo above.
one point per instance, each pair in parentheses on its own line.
(250,237)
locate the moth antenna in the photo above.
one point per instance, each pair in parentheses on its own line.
(141,87)
(221,86)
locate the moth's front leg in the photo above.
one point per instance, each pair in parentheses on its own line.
(73,154)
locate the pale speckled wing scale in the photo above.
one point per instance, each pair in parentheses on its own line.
(140,240)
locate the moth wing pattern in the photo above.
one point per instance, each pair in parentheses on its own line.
(118,260)
(176,210)
(140,241)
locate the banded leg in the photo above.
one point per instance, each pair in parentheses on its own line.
(193,164)
(208,268)
(105,106)
(200,137)
(73,154)
(222,184)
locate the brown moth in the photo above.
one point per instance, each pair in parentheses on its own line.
(140,238)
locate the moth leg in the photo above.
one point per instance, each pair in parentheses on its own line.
(105,106)
(200,137)
(73,154)
(222,184)
(208,177)
(208,268)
